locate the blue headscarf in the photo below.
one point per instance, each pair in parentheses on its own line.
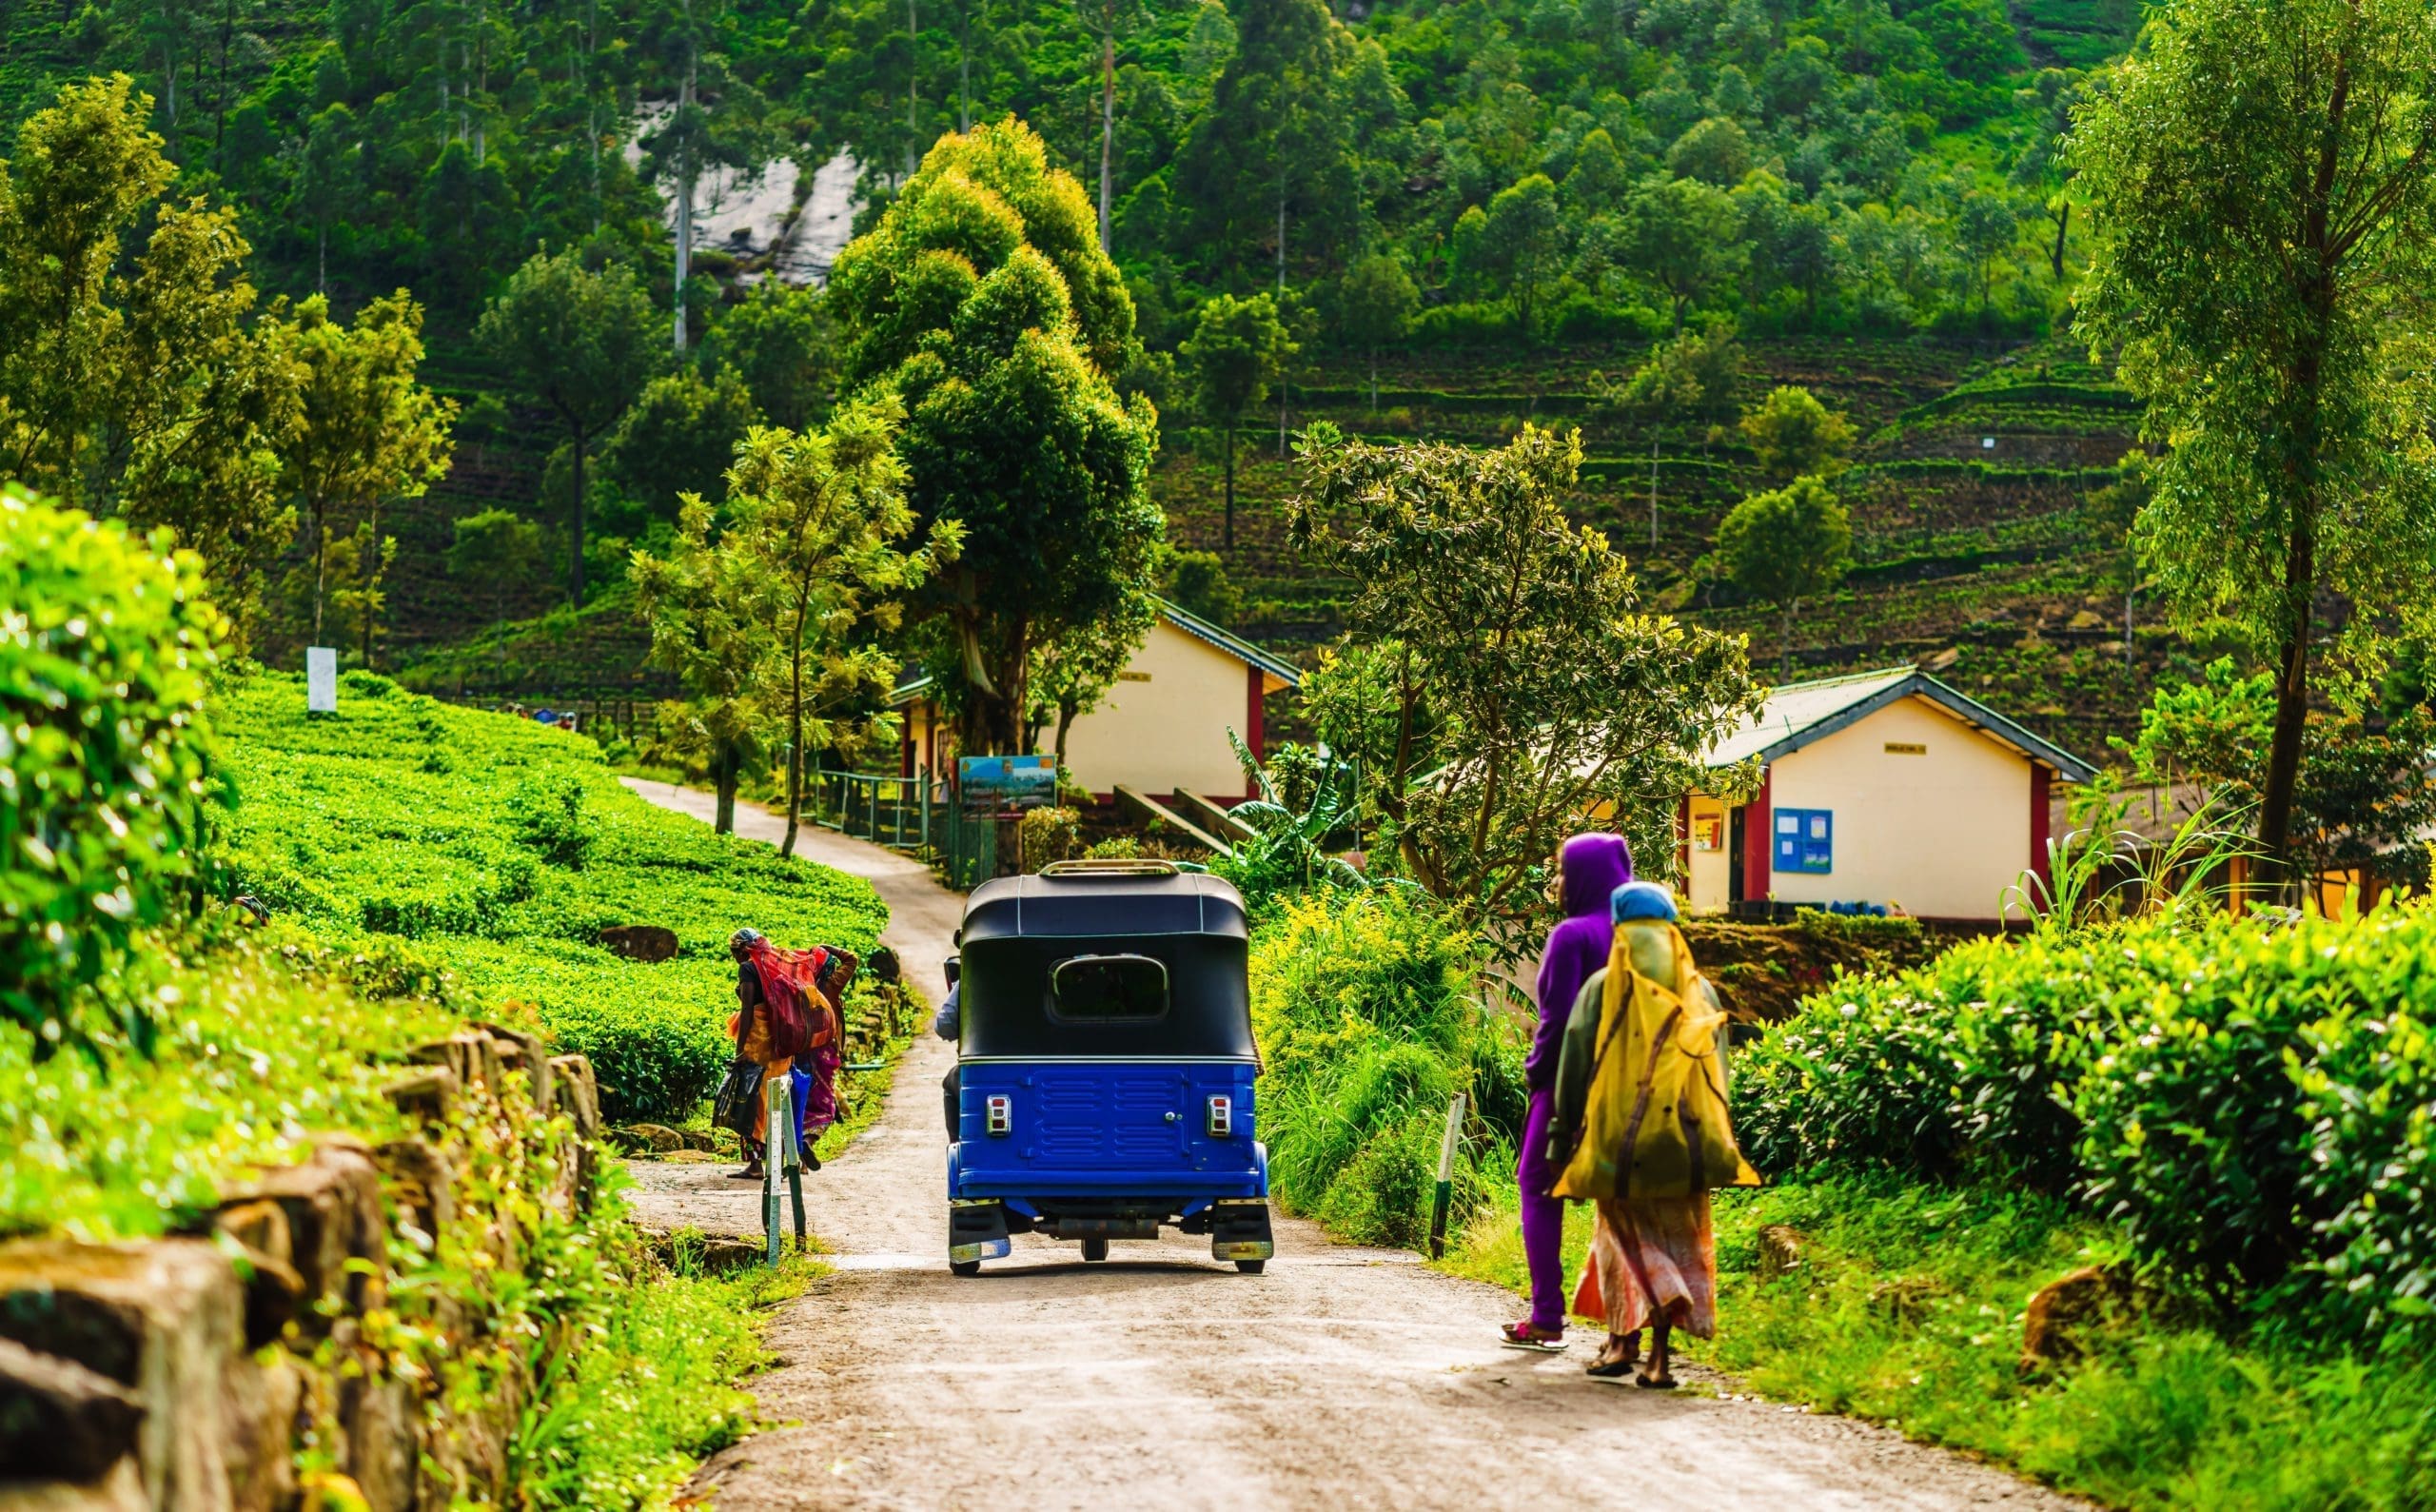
(1641,901)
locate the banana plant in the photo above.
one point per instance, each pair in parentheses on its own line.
(1284,853)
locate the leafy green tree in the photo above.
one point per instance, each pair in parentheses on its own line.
(1071,673)
(2042,169)
(2364,796)
(369,430)
(1688,378)
(1783,546)
(1104,19)
(1684,238)
(2270,199)
(1600,181)
(137,385)
(1987,229)
(1716,150)
(1238,349)
(706,609)
(1521,241)
(982,297)
(1793,435)
(782,341)
(1274,148)
(358,580)
(815,520)
(715,121)
(1550,693)
(1374,305)
(678,438)
(495,552)
(579,342)
(1197,581)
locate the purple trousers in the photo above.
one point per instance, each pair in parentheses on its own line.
(1543,1216)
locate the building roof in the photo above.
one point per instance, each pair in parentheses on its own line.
(1283,673)
(1802,713)
(1235,646)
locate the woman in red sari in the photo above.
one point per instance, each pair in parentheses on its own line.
(782,1015)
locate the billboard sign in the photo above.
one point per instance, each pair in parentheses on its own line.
(995,784)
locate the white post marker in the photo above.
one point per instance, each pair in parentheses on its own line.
(321,680)
(780,1152)
(1445,1176)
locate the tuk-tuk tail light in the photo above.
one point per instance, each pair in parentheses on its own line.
(1222,1117)
(1001,1115)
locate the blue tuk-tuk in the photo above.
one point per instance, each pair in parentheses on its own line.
(1106,1063)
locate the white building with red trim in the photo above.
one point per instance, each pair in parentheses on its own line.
(1885,788)
(1161,729)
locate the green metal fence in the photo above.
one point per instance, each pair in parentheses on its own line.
(914,814)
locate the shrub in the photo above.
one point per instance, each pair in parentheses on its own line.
(1368,1025)
(1047,834)
(105,646)
(343,823)
(2254,1102)
(548,813)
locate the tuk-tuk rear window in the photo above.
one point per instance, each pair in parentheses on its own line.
(1097,988)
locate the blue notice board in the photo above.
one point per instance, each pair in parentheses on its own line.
(1805,841)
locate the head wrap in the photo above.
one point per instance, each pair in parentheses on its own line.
(1641,901)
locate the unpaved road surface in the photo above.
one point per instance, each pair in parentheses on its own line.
(1343,1377)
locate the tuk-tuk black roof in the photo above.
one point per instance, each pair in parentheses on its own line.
(1017,929)
(1105,901)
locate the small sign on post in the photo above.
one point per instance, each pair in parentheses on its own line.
(321,680)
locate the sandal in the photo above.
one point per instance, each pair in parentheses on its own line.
(1524,1335)
(752,1172)
(1655,1383)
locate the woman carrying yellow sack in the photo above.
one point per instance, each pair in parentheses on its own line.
(1641,1129)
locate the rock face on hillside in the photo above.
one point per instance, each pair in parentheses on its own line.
(183,1374)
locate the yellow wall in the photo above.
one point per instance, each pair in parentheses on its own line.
(1163,725)
(1943,832)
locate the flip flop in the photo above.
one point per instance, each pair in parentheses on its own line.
(1655,1383)
(1516,1336)
(1615,1372)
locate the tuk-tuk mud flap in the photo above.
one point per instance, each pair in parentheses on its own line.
(977,1230)
(1239,1230)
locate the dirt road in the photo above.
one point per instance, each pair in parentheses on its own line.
(1342,1378)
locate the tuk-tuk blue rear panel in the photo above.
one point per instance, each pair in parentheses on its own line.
(1137,1127)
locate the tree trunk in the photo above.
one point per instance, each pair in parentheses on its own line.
(1230,486)
(2063,219)
(913,97)
(320,561)
(1281,244)
(685,196)
(1108,120)
(575,555)
(2292,709)
(724,780)
(794,726)
(1652,488)
(1065,722)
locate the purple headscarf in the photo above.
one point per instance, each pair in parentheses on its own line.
(1593,866)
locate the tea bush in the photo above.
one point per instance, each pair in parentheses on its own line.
(503,848)
(1369,1022)
(2251,1102)
(105,646)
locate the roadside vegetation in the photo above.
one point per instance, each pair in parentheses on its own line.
(502,849)
(159,1039)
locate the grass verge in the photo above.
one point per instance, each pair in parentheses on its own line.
(1907,1309)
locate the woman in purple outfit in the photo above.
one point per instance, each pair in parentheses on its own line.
(1592,867)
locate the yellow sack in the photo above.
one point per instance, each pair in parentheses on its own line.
(1655,1123)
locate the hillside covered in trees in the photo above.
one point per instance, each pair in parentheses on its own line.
(1421,217)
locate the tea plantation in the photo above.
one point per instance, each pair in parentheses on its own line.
(502,849)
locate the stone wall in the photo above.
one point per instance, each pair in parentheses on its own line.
(333,1334)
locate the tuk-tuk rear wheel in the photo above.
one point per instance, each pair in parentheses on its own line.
(1251,1268)
(965,1267)
(1094,1250)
